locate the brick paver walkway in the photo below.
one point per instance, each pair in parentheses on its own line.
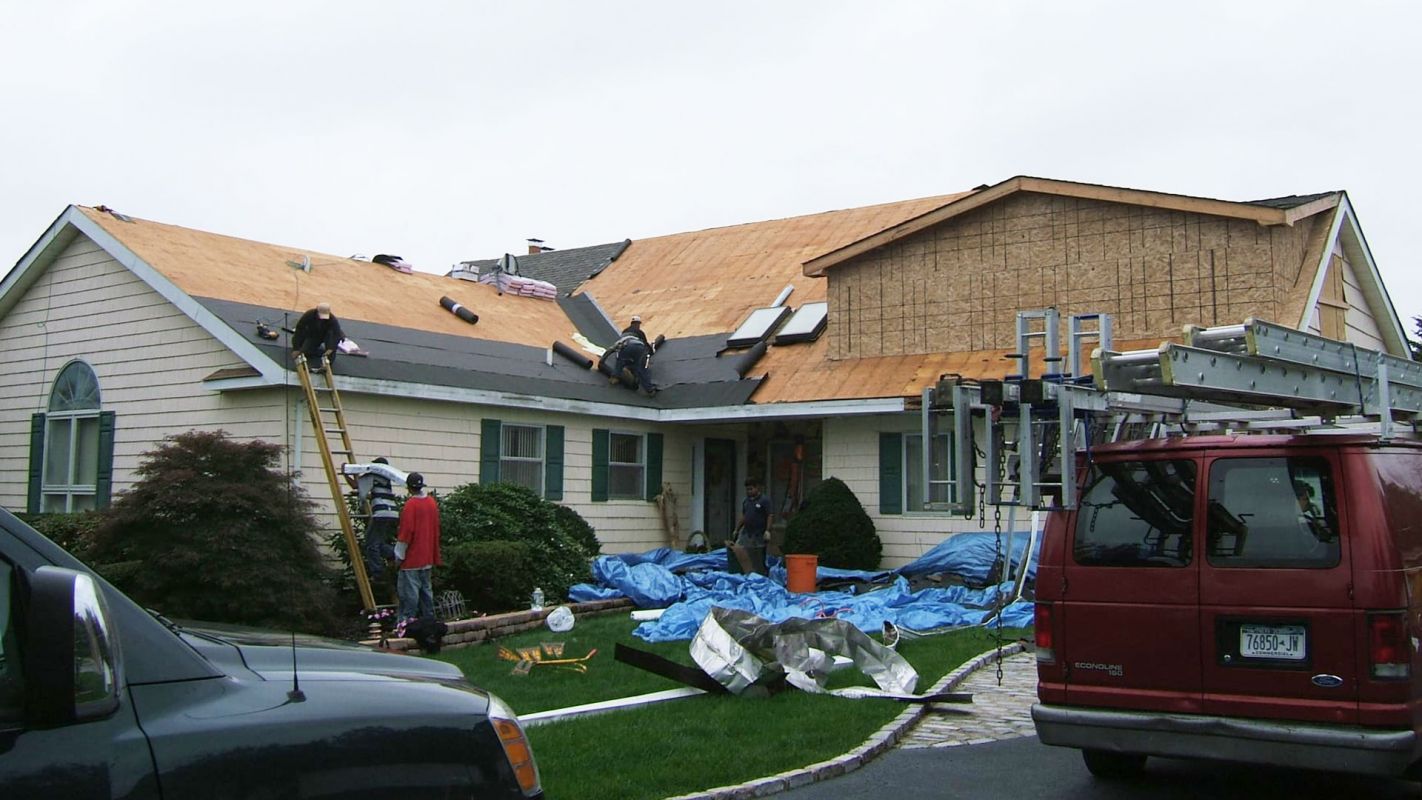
(997,712)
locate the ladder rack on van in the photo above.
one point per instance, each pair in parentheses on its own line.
(1257,377)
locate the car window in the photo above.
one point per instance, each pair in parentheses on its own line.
(11,679)
(1136,514)
(1272,513)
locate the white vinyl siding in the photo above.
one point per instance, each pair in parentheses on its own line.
(148,356)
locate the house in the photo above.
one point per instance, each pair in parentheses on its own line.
(116,331)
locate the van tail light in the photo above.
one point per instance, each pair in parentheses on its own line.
(1042,628)
(516,748)
(1388,648)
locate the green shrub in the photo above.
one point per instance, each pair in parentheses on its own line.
(573,523)
(213,531)
(505,512)
(834,526)
(490,575)
(73,532)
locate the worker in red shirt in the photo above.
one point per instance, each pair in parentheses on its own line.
(417,551)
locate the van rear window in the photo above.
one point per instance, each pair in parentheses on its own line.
(1136,514)
(1272,513)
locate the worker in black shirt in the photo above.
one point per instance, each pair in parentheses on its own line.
(316,335)
(634,352)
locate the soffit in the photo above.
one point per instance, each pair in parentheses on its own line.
(211,265)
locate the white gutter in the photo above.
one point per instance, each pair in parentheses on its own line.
(451,394)
(529,720)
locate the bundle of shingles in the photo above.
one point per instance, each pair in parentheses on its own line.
(519,285)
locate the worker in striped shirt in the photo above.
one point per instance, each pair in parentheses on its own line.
(384,522)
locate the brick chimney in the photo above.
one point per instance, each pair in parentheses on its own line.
(535,246)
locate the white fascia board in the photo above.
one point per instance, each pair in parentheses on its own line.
(33,263)
(184,302)
(454,394)
(748,413)
(1379,300)
(1320,270)
(816,408)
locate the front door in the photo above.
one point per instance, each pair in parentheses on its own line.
(720,509)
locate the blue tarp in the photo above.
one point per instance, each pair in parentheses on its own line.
(688,585)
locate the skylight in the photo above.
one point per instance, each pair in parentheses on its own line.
(806,326)
(757,326)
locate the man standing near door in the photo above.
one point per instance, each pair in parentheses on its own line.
(754,525)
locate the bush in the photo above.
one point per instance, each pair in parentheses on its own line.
(834,526)
(73,532)
(213,531)
(490,575)
(508,513)
(573,523)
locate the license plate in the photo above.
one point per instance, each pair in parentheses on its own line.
(1286,642)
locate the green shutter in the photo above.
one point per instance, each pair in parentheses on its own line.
(654,465)
(489,432)
(553,462)
(891,473)
(32,503)
(105,483)
(600,448)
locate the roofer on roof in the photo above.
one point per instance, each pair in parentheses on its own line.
(317,334)
(634,352)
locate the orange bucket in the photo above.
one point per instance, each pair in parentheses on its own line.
(800,573)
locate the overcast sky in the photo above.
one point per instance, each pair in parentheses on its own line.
(444,131)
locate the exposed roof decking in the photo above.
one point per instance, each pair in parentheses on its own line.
(242,271)
(705,282)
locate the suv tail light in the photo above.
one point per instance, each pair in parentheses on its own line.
(1042,628)
(1388,648)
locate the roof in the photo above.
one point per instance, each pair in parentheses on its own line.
(704,282)
(565,269)
(211,265)
(1293,200)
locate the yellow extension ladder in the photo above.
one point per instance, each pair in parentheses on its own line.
(328,417)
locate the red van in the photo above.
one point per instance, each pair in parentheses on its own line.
(1244,598)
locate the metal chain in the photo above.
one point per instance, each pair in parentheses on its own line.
(1001,599)
(982,505)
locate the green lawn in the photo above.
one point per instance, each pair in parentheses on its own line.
(692,744)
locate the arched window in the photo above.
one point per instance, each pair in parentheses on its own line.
(71,446)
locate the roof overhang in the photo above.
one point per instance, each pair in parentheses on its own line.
(742,413)
(1261,214)
(74,222)
(1344,229)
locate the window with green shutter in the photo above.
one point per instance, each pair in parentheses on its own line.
(524,455)
(71,446)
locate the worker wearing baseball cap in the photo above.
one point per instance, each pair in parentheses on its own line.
(316,335)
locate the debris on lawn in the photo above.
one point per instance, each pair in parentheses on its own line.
(546,654)
(740,653)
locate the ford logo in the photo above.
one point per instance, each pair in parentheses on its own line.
(1327,681)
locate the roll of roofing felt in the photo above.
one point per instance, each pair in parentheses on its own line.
(746,360)
(572,355)
(459,311)
(657,344)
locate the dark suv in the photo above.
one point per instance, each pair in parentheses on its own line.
(100,698)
